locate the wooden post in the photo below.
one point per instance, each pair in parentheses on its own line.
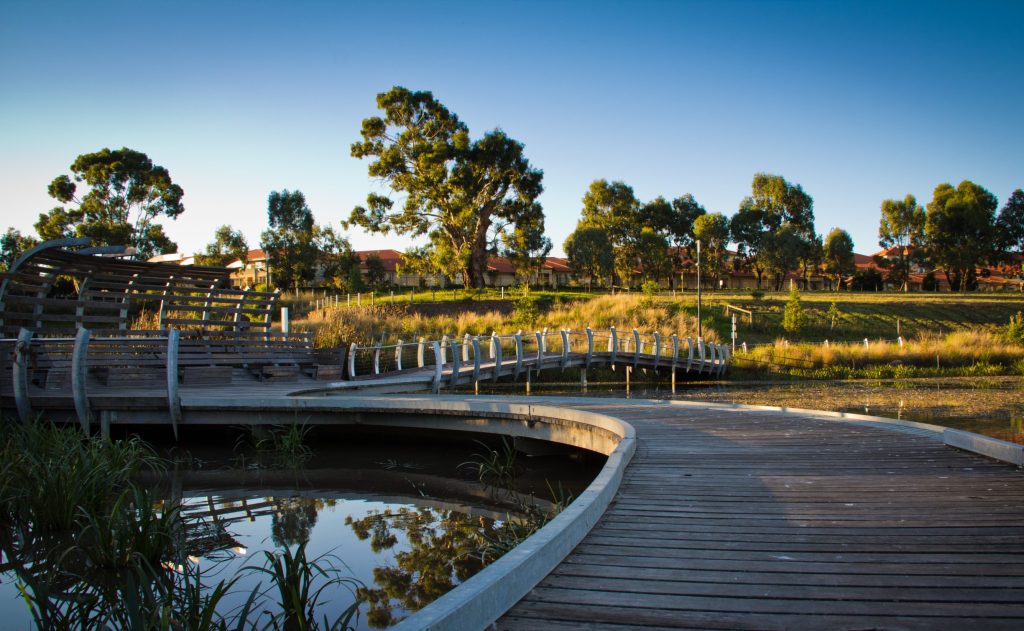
(465,348)
(352,361)
(565,348)
(613,345)
(420,349)
(519,355)
(173,396)
(21,369)
(79,372)
(496,347)
(657,349)
(286,325)
(376,358)
(476,362)
(398,355)
(540,351)
(456,364)
(494,343)
(639,348)
(444,349)
(438,363)
(689,356)
(590,346)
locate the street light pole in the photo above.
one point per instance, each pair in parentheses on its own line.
(700,331)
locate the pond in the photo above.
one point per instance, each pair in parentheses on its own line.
(396,520)
(993,406)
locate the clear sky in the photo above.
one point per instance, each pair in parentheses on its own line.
(855,101)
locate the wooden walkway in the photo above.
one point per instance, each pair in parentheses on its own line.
(756,520)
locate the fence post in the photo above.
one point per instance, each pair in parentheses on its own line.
(444,349)
(519,354)
(420,351)
(465,348)
(565,348)
(590,346)
(476,360)
(456,364)
(352,361)
(173,397)
(286,325)
(376,358)
(689,356)
(438,362)
(657,349)
(21,369)
(613,345)
(675,359)
(540,350)
(496,345)
(398,355)
(80,370)
(639,348)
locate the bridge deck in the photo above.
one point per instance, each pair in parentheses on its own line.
(754,520)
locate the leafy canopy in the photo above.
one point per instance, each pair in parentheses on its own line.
(125,195)
(837,254)
(463,193)
(901,228)
(960,228)
(228,245)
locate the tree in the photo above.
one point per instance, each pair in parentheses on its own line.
(794,317)
(337,263)
(837,254)
(289,242)
(1010,224)
(526,247)
(712,230)
(960,228)
(652,255)
(757,227)
(461,192)
(675,220)
(376,275)
(227,246)
(12,245)
(126,194)
(590,253)
(901,228)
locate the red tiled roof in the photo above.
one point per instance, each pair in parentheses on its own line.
(557,264)
(500,265)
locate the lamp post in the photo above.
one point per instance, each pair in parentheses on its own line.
(700,331)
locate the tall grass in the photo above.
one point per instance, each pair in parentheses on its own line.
(967,352)
(340,327)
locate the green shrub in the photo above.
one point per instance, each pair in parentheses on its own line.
(794,318)
(1014,332)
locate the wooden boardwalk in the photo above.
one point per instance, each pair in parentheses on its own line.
(756,520)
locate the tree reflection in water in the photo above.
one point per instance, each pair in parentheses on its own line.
(445,548)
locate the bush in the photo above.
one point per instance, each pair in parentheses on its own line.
(1014,332)
(794,318)
(650,290)
(757,294)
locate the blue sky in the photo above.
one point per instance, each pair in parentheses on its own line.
(855,101)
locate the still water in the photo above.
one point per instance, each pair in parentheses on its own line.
(398,522)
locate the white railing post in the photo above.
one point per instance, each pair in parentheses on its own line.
(465,348)
(173,397)
(496,347)
(639,348)
(540,350)
(420,349)
(613,344)
(519,354)
(456,364)
(689,355)
(398,355)
(657,349)
(590,346)
(80,371)
(476,359)
(352,360)
(565,348)
(376,358)
(438,363)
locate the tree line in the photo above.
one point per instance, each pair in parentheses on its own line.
(618,238)
(472,198)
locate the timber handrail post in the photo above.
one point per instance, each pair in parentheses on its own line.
(465,348)
(79,372)
(352,361)
(173,396)
(675,359)
(20,371)
(444,348)
(639,348)
(590,346)
(456,363)
(712,363)
(540,349)
(657,349)
(420,360)
(519,354)
(565,348)
(438,363)
(376,358)
(476,359)
(496,347)
(398,355)
(544,341)
(494,343)
(613,345)
(689,355)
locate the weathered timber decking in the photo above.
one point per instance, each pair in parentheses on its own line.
(746,519)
